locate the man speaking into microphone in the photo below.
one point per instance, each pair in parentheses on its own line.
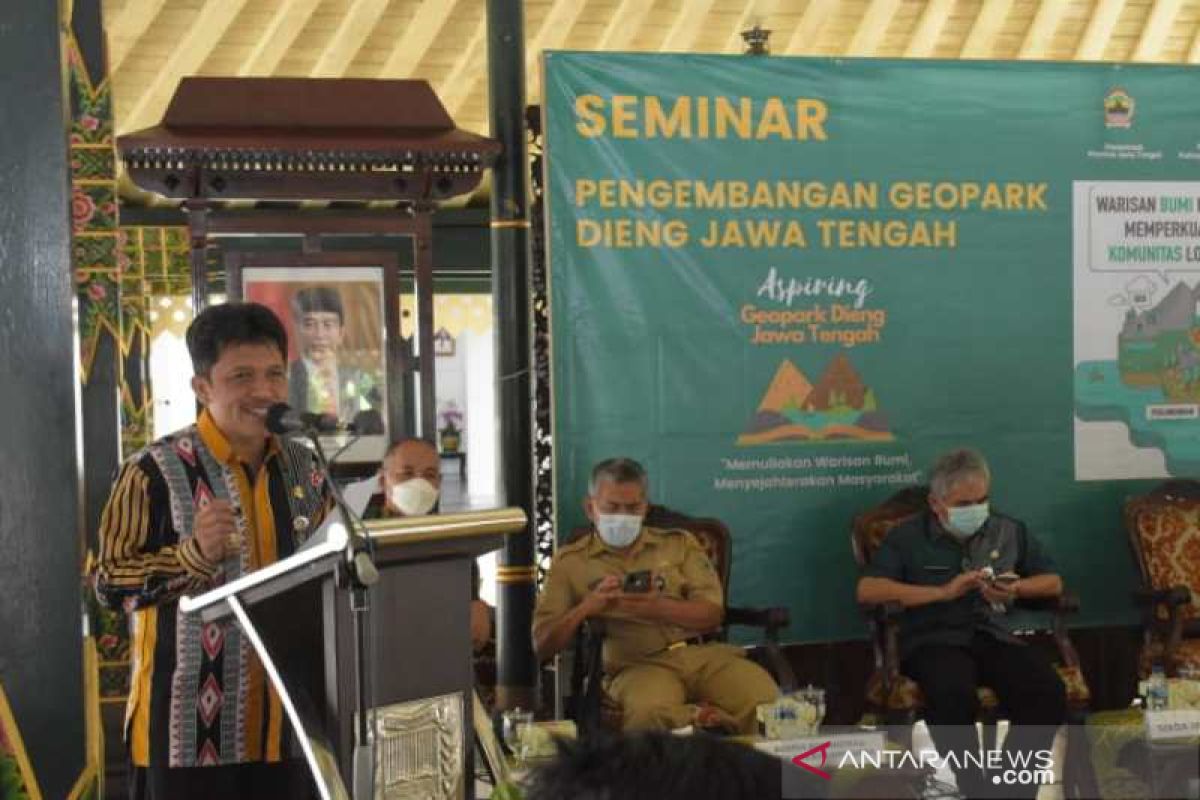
(202,506)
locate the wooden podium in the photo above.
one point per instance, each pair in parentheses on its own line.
(299,613)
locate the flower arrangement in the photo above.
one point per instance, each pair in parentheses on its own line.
(451,428)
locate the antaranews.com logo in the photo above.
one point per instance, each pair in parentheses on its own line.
(1007,768)
(818,760)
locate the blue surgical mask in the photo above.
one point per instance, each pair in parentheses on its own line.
(618,530)
(964,521)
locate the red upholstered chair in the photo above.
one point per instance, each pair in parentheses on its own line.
(1164,531)
(591,707)
(896,699)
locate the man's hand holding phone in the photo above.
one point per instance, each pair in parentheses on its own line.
(637,600)
(630,594)
(1001,588)
(602,597)
(962,583)
(636,582)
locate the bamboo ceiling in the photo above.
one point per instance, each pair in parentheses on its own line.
(153,43)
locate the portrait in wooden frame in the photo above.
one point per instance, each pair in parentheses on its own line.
(341,313)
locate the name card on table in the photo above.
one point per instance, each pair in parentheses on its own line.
(1168,724)
(857,743)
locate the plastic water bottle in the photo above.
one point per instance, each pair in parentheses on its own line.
(1156,690)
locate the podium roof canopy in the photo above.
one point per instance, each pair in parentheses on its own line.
(299,138)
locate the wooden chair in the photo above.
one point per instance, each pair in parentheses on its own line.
(896,699)
(1164,532)
(587,702)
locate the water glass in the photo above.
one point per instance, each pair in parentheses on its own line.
(814,697)
(516,724)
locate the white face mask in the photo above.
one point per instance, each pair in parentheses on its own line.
(618,530)
(414,497)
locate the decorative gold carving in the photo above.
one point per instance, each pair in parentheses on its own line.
(419,749)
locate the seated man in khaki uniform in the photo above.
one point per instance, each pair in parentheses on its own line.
(658,595)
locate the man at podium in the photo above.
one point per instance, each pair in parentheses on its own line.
(202,506)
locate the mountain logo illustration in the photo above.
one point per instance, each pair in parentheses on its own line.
(838,407)
(788,387)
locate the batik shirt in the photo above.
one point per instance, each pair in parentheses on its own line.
(198,693)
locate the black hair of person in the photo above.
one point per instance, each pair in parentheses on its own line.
(316,299)
(217,327)
(656,766)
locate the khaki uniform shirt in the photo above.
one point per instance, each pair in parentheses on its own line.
(679,569)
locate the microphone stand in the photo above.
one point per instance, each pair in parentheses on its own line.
(358,574)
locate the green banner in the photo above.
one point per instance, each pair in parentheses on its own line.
(785,285)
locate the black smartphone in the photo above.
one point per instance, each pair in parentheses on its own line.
(636,582)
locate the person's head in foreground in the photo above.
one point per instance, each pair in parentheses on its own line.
(657,766)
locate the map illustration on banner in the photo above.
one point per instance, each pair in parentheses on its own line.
(839,406)
(1137,334)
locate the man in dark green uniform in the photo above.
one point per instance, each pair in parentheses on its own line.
(956,570)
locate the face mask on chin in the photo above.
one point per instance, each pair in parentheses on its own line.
(618,530)
(414,497)
(963,521)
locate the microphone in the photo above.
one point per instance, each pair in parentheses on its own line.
(283,419)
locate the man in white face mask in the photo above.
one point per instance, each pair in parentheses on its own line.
(957,569)
(410,480)
(658,595)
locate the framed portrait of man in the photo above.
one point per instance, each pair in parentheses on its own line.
(341,312)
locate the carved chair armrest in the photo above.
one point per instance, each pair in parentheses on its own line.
(884,622)
(1065,603)
(882,613)
(1058,607)
(1172,601)
(1172,598)
(592,633)
(772,620)
(587,675)
(1068,603)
